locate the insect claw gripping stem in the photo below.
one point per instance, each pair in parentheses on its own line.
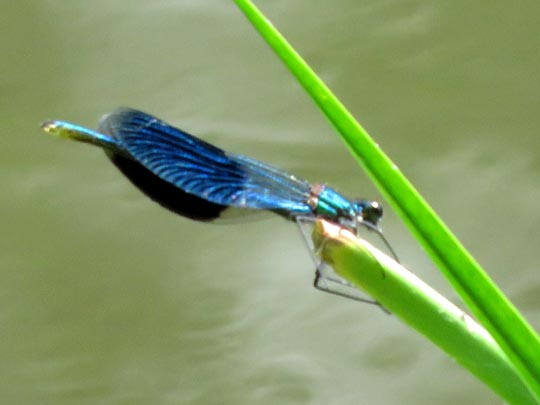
(325,278)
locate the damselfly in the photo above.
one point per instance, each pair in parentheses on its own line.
(198,180)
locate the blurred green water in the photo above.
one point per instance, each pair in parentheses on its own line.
(106,298)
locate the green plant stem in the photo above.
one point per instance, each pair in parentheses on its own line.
(421,307)
(518,340)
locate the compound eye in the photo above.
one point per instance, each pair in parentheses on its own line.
(376,210)
(371,212)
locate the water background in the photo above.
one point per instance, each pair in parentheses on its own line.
(107,298)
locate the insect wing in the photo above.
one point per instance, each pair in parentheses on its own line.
(202,169)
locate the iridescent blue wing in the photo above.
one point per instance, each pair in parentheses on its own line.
(202,169)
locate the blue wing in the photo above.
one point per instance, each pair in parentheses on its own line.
(202,169)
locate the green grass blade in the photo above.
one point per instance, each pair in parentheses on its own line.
(422,308)
(518,340)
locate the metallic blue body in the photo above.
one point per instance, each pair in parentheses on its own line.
(144,147)
(332,204)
